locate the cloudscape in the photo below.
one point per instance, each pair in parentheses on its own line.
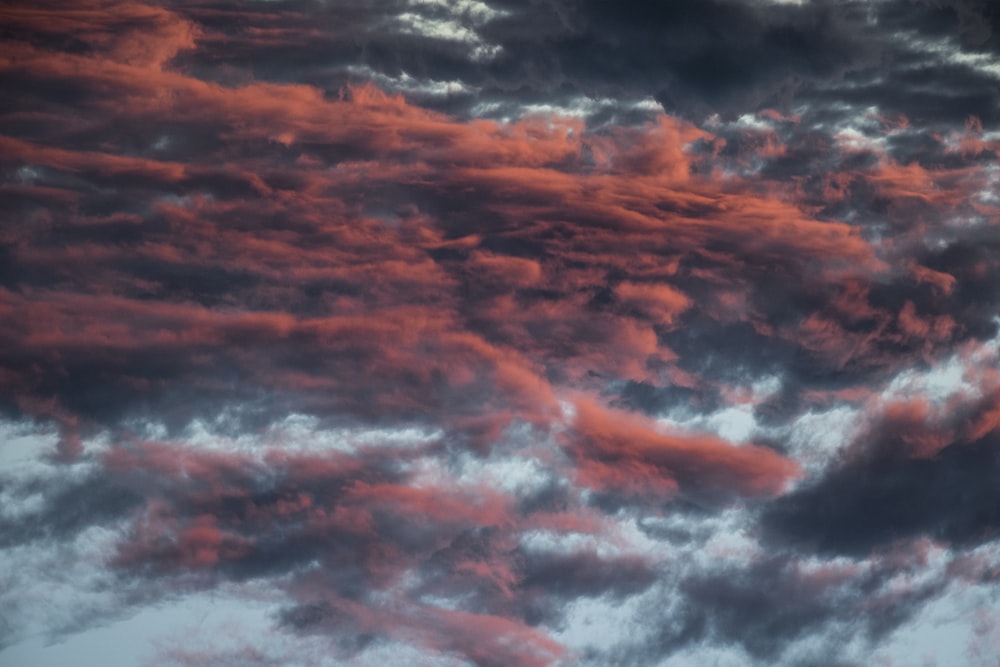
(500,333)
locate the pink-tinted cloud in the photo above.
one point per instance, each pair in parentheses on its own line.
(628,454)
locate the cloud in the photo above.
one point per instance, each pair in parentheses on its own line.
(626,454)
(448,328)
(900,480)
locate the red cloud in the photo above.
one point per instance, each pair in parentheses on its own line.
(625,453)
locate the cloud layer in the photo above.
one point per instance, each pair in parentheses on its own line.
(502,333)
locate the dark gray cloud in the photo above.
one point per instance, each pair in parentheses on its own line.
(69,506)
(906,476)
(866,505)
(694,58)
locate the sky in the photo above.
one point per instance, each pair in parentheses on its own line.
(500,333)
